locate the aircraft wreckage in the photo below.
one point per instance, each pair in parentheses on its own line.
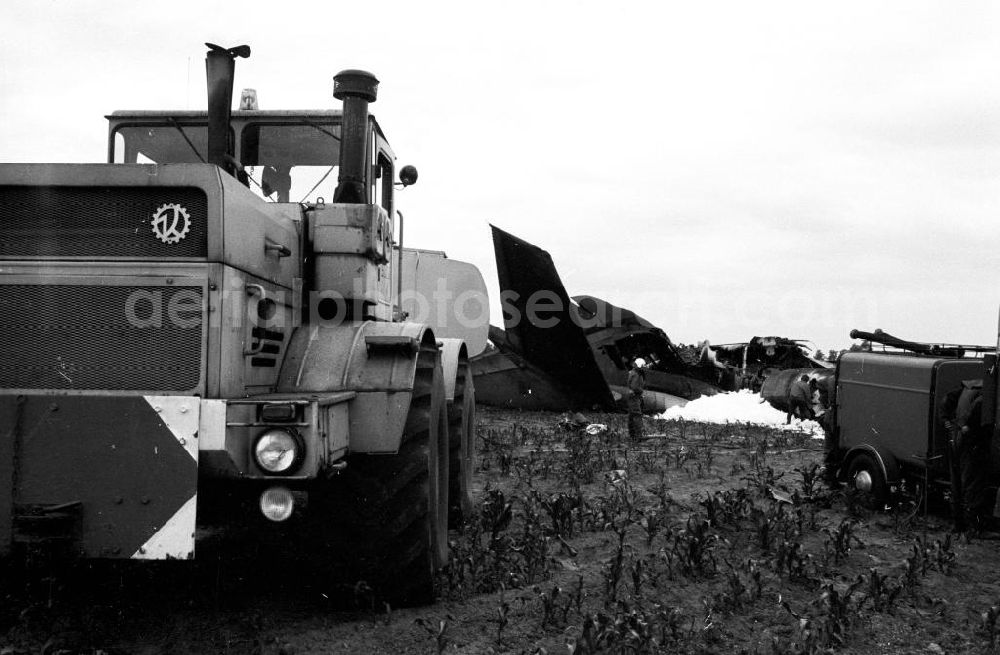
(561,353)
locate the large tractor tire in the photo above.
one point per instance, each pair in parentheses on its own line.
(388,513)
(462,446)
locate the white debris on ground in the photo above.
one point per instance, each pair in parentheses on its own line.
(740,407)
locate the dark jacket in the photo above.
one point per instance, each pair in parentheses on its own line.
(964,408)
(636,381)
(800,391)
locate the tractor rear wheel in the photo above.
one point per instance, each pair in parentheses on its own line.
(462,446)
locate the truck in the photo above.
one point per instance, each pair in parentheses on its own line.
(198,340)
(886,423)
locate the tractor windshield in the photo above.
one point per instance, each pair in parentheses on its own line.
(172,143)
(286,159)
(291,162)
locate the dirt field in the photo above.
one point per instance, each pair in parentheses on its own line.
(700,539)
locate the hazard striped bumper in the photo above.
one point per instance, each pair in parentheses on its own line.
(99,476)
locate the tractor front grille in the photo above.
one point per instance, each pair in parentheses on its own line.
(101,337)
(102,221)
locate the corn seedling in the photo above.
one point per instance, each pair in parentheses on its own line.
(880,591)
(839,541)
(439,631)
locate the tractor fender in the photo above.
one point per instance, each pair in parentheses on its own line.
(888,464)
(376,360)
(453,353)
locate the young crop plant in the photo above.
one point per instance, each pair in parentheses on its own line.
(792,561)
(771,524)
(809,481)
(559,508)
(925,556)
(652,522)
(680,456)
(662,493)
(643,462)
(502,546)
(439,631)
(805,518)
(827,628)
(882,592)
(533,545)
(615,567)
(582,462)
(840,540)
(694,549)
(762,479)
(628,630)
(705,455)
(554,603)
(503,617)
(937,555)
(744,586)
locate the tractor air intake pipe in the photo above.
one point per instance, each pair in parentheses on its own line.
(356,88)
(220,67)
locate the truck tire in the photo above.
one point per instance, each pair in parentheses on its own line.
(384,519)
(462,446)
(865,476)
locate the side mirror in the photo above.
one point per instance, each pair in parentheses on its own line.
(408,175)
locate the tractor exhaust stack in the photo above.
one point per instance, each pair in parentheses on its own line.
(356,88)
(220,68)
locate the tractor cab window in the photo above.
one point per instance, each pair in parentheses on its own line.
(381,193)
(172,143)
(291,162)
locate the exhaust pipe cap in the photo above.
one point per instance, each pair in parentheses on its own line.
(355,83)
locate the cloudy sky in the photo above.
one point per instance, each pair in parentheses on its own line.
(725,169)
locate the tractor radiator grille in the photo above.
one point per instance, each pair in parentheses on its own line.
(64,221)
(100,337)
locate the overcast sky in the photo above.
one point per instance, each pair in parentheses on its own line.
(724,169)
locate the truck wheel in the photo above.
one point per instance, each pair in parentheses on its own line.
(866,477)
(395,506)
(462,446)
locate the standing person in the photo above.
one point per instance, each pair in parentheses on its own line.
(799,400)
(823,413)
(636,385)
(969,457)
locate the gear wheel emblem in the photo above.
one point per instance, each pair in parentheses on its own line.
(171,223)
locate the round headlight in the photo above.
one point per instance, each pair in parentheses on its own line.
(277,451)
(277,503)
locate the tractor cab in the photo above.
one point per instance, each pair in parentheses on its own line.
(283,155)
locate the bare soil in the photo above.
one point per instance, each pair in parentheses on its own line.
(698,539)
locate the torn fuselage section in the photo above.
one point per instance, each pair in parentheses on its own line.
(618,336)
(754,361)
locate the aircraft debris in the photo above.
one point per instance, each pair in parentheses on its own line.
(560,353)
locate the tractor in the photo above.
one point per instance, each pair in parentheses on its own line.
(199,341)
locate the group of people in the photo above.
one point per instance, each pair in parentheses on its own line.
(803,396)
(810,398)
